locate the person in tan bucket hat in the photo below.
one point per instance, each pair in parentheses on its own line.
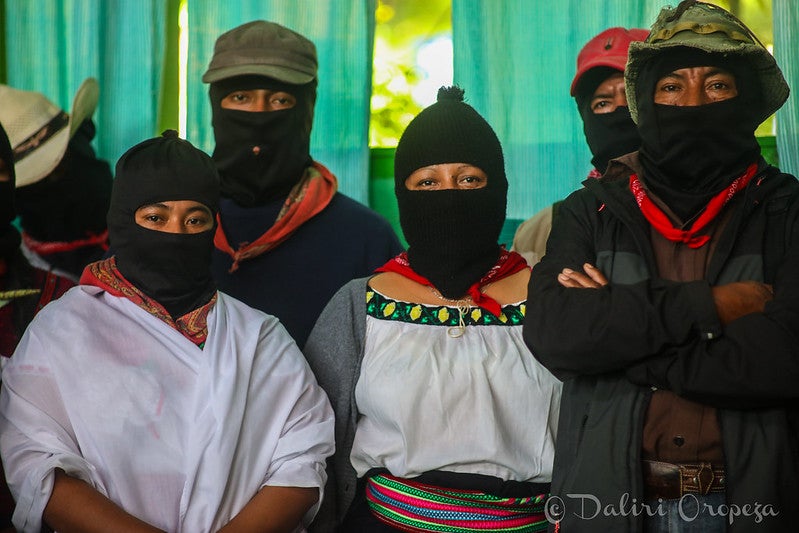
(667,301)
(63,189)
(287,239)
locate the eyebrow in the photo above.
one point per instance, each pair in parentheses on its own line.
(154,204)
(193,209)
(712,72)
(601,96)
(201,208)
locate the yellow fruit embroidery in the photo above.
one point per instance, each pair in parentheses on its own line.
(416,312)
(503,318)
(389,309)
(523,309)
(476,314)
(369,296)
(443,314)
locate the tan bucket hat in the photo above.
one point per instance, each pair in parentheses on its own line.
(39,130)
(711,29)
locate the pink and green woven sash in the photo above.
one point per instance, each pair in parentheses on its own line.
(416,507)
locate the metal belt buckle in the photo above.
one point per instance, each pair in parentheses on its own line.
(700,480)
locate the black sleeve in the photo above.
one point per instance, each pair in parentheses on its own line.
(755,363)
(592,331)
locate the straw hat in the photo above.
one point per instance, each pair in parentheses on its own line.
(39,130)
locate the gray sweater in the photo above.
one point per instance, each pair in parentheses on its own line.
(335,351)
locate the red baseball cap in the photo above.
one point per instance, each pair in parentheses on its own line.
(608,49)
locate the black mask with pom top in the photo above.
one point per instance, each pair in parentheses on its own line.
(452,234)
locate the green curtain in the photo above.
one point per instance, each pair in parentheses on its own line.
(52,46)
(786,51)
(343,33)
(516,60)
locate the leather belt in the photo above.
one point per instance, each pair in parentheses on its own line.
(672,481)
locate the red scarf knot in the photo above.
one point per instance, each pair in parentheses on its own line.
(310,196)
(661,222)
(508,263)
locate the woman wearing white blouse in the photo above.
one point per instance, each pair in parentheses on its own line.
(443,416)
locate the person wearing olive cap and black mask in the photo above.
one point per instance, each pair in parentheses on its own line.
(145,400)
(668,299)
(598,90)
(282,222)
(431,383)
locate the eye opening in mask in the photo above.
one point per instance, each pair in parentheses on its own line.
(175,216)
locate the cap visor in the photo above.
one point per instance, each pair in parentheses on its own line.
(283,74)
(606,61)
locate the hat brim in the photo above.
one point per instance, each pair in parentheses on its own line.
(43,160)
(774,88)
(83,104)
(286,75)
(614,62)
(49,154)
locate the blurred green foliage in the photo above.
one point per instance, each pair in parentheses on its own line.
(404,25)
(757,15)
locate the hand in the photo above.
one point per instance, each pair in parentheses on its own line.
(735,300)
(592,279)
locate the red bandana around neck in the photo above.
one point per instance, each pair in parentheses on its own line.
(661,222)
(56,247)
(508,263)
(105,275)
(310,196)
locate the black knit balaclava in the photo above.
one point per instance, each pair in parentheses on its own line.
(609,135)
(282,138)
(9,236)
(172,268)
(70,203)
(452,234)
(690,153)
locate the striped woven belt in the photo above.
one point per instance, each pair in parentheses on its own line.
(417,507)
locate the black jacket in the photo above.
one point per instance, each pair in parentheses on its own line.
(612,345)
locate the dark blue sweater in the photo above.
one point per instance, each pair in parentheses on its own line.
(295,280)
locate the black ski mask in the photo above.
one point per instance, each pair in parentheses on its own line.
(70,203)
(609,135)
(690,153)
(174,269)
(9,236)
(261,155)
(452,234)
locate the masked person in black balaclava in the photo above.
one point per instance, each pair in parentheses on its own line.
(158,403)
(598,89)
(23,289)
(287,240)
(433,342)
(669,297)
(63,189)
